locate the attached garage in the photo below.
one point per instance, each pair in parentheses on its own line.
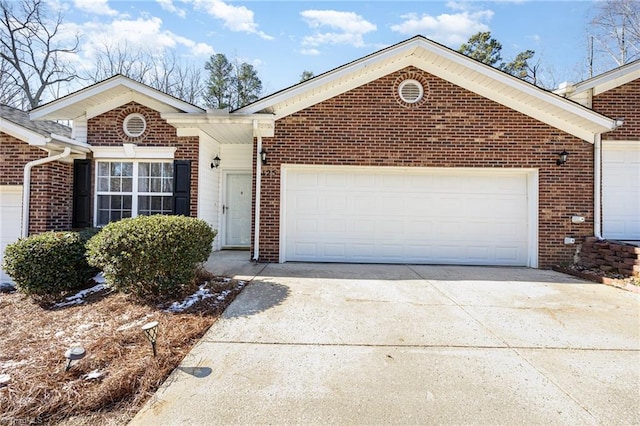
(10,214)
(409,215)
(621,190)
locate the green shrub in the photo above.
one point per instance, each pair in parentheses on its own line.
(48,264)
(153,257)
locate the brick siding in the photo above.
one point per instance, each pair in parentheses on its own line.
(622,102)
(51,184)
(106,130)
(451,127)
(611,256)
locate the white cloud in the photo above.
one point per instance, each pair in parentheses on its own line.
(170,7)
(235,18)
(310,52)
(449,29)
(97,7)
(142,34)
(347,28)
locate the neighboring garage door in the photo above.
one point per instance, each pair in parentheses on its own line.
(408,215)
(621,190)
(10,214)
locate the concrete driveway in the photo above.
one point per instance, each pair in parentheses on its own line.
(406,344)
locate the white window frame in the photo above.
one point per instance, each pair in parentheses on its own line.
(134,185)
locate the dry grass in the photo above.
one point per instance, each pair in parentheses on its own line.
(33,340)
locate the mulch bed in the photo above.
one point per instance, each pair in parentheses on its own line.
(118,373)
(626,283)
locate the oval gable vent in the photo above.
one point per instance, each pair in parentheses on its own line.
(134,125)
(410,91)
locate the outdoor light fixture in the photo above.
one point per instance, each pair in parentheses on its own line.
(263,156)
(72,354)
(562,158)
(215,163)
(151,331)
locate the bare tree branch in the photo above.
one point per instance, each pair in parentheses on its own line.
(615,31)
(30,50)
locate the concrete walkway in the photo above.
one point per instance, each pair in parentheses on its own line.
(407,344)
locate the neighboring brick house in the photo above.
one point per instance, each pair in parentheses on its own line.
(47,152)
(615,94)
(413,154)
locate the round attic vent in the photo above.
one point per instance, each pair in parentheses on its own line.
(134,125)
(410,91)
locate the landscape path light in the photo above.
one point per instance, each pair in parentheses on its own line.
(151,331)
(72,354)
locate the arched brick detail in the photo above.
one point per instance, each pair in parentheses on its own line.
(410,75)
(133,109)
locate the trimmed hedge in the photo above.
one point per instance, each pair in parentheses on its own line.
(153,257)
(50,263)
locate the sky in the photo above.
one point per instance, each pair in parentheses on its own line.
(281,39)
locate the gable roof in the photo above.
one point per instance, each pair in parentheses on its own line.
(106,95)
(449,65)
(45,134)
(607,81)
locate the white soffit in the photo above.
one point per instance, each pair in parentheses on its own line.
(106,95)
(448,65)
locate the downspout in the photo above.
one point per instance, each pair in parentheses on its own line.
(256,226)
(597,183)
(26,188)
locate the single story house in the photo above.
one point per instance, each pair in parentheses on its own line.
(413,154)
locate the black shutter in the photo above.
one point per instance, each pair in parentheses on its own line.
(81,194)
(182,187)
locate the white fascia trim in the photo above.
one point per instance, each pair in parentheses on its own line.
(208,118)
(262,124)
(112,83)
(403,55)
(327,78)
(131,151)
(610,79)
(22,133)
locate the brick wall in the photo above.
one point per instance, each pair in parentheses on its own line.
(451,127)
(611,256)
(51,184)
(622,102)
(106,130)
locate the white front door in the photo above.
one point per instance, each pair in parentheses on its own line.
(237,210)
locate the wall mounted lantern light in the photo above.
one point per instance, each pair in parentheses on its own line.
(215,162)
(562,158)
(263,156)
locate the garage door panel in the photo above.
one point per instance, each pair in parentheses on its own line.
(10,219)
(404,217)
(621,190)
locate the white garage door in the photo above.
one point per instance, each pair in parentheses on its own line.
(10,214)
(621,190)
(401,215)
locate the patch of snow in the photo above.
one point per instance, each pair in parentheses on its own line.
(99,278)
(83,327)
(201,294)
(95,374)
(139,322)
(79,297)
(12,364)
